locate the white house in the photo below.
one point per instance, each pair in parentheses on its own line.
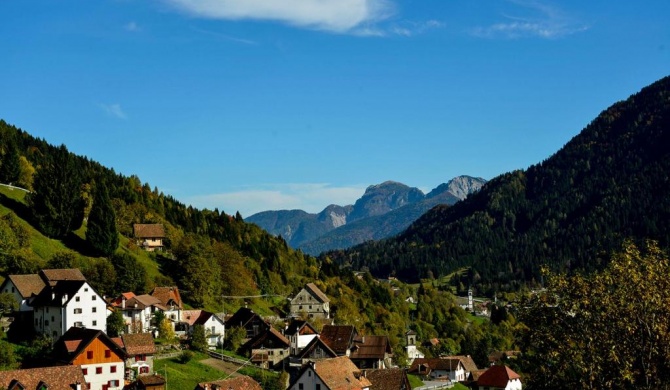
(439,369)
(64,303)
(24,288)
(139,311)
(170,298)
(214,326)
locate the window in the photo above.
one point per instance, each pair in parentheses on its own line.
(46,322)
(108,353)
(52,319)
(78,324)
(114,383)
(95,310)
(77,311)
(12,289)
(86,289)
(94,297)
(318,386)
(144,370)
(85,371)
(139,358)
(76,299)
(89,354)
(112,369)
(95,323)
(98,370)
(300,386)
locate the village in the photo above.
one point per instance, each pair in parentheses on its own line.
(61,305)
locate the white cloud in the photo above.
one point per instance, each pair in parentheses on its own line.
(548,22)
(132,27)
(114,110)
(308,197)
(225,37)
(343,16)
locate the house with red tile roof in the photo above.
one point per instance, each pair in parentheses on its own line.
(468,363)
(214,326)
(100,358)
(241,382)
(499,378)
(371,352)
(149,236)
(23,288)
(315,350)
(140,350)
(170,298)
(340,338)
(438,369)
(338,373)
(312,302)
(51,378)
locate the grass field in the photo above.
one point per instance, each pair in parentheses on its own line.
(187,376)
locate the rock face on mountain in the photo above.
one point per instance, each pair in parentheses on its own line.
(384,210)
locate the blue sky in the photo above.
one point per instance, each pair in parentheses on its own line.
(255,105)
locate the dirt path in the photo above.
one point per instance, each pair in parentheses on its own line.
(220,365)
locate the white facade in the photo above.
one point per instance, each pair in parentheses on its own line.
(215,331)
(512,384)
(85,309)
(309,381)
(100,375)
(298,342)
(10,288)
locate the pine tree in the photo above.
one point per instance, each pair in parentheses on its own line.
(101,233)
(57,204)
(9,166)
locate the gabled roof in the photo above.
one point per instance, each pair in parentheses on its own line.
(467,361)
(58,294)
(143,301)
(339,337)
(300,327)
(312,345)
(318,294)
(426,365)
(57,275)
(340,373)
(27,285)
(388,379)
(497,376)
(152,380)
(270,339)
(371,347)
(57,378)
(193,317)
(73,342)
(139,344)
(242,317)
(241,382)
(148,230)
(168,296)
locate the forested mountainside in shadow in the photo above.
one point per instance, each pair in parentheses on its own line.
(609,183)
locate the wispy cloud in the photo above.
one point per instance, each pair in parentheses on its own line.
(547,22)
(340,16)
(113,110)
(409,28)
(225,37)
(131,27)
(310,197)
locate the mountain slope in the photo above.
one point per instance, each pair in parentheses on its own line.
(609,182)
(384,210)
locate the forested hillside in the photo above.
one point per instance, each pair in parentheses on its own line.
(569,212)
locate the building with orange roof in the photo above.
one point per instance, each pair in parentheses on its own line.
(499,378)
(338,373)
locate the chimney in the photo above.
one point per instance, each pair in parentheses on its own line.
(123,302)
(77,386)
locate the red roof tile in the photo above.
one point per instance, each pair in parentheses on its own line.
(311,287)
(27,285)
(148,230)
(167,295)
(388,379)
(340,373)
(339,337)
(139,343)
(56,378)
(497,376)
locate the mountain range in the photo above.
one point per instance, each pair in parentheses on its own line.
(609,184)
(384,210)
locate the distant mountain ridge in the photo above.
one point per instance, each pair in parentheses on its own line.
(384,209)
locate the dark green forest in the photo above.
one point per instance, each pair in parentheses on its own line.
(569,212)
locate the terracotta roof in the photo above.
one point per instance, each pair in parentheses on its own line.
(388,379)
(65,350)
(339,337)
(27,285)
(148,230)
(426,365)
(340,373)
(143,301)
(56,378)
(191,317)
(139,343)
(154,379)
(474,375)
(241,382)
(371,347)
(467,361)
(311,287)
(497,376)
(166,295)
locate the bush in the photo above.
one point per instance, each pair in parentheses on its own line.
(185,357)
